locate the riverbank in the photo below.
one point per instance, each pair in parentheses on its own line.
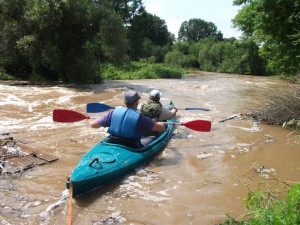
(282,108)
(267,208)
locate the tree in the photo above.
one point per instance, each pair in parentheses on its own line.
(230,57)
(276,25)
(196,29)
(127,9)
(146,34)
(66,40)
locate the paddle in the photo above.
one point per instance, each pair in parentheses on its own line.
(69,116)
(197,125)
(96,107)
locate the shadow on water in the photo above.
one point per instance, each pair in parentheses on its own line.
(92,196)
(168,160)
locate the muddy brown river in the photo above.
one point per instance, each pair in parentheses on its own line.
(197,179)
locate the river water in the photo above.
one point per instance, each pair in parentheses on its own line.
(197,179)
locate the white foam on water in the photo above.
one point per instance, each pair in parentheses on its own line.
(45,215)
(3,221)
(114,218)
(244,147)
(13,100)
(42,123)
(14,150)
(136,186)
(205,155)
(34,122)
(63,99)
(254,128)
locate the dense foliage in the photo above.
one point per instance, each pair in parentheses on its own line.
(141,71)
(275,24)
(265,208)
(197,29)
(227,56)
(76,40)
(148,37)
(63,40)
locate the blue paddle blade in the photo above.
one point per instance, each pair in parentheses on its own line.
(197,109)
(96,107)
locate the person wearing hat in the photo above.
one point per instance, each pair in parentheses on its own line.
(127,124)
(154,109)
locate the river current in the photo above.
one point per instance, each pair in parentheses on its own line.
(197,179)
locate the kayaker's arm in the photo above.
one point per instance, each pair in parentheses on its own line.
(159,127)
(95,124)
(103,121)
(167,114)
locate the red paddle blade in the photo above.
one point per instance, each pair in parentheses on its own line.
(198,125)
(67,116)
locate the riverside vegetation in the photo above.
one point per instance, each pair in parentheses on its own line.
(269,206)
(266,208)
(80,41)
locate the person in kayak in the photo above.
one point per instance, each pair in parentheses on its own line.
(154,109)
(127,124)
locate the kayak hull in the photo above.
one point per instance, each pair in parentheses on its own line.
(106,162)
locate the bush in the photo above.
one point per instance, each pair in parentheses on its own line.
(264,208)
(5,76)
(282,107)
(138,70)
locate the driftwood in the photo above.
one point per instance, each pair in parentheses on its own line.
(282,108)
(13,160)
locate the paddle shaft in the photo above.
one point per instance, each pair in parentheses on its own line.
(70,203)
(174,123)
(96,107)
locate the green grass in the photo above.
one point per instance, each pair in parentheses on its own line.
(139,70)
(5,76)
(264,208)
(295,79)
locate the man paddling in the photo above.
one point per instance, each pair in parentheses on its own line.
(127,124)
(154,109)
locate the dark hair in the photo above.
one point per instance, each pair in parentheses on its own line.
(129,105)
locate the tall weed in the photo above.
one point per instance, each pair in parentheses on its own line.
(265,208)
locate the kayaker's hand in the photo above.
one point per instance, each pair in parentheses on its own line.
(173,107)
(155,119)
(159,127)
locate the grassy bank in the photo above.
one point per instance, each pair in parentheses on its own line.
(129,71)
(139,70)
(266,208)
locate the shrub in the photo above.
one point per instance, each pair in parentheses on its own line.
(141,70)
(264,208)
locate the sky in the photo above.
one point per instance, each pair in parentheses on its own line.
(175,12)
